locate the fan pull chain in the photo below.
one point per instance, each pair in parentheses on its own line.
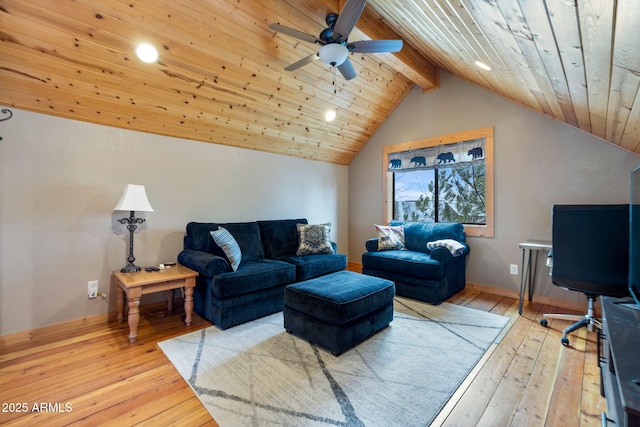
(334,79)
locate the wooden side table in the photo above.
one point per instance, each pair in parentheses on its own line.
(134,285)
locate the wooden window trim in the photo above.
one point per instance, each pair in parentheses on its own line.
(486,230)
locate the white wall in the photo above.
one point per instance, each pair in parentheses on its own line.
(538,162)
(60,180)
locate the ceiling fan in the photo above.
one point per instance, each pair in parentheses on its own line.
(333,39)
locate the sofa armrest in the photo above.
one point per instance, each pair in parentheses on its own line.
(334,245)
(206,264)
(372,245)
(443,254)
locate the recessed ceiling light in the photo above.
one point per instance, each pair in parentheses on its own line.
(147,53)
(330,115)
(483,65)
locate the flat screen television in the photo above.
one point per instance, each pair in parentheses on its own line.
(634,236)
(591,248)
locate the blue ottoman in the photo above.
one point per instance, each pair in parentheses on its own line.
(339,310)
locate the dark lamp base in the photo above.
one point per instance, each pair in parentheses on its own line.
(131,226)
(131,268)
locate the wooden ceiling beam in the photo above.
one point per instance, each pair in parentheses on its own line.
(409,62)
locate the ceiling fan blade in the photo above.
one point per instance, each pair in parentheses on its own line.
(375,46)
(347,70)
(295,33)
(304,61)
(347,19)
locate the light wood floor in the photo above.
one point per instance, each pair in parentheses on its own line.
(529,379)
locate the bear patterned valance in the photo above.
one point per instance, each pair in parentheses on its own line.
(465,152)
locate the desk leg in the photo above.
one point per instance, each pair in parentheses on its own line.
(532,273)
(134,313)
(120,302)
(522,285)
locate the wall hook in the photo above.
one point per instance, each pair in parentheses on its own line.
(6,111)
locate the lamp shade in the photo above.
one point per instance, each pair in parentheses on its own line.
(134,198)
(333,54)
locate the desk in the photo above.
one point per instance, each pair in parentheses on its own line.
(134,285)
(619,368)
(530,273)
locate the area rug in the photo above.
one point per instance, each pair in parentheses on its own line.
(257,374)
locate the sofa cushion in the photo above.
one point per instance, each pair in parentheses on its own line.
(247,234)
(410,263)
(314,239)
(228,244)
(417,234)
(280,237)
(253,276)
(199,238)
(310,266)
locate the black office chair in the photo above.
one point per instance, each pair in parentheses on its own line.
(590,255)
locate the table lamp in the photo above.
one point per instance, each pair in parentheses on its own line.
(133,199)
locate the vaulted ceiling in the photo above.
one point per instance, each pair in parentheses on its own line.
(220,76)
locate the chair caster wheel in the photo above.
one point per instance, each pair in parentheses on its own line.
(543,322)
(564,341)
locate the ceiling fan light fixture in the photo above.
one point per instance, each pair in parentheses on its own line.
(147,53)
(333,54)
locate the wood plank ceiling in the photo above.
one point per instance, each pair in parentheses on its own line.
(220,74)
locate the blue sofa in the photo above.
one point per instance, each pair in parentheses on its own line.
(430,275)
(269,263)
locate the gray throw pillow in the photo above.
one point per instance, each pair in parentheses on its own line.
(314,239)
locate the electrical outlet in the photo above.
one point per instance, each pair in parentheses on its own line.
(513,269)
(92,290)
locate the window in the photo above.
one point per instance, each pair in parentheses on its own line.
(443,179)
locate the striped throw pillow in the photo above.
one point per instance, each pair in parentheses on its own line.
(228,244)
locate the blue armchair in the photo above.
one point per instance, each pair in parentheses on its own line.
(421,273)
